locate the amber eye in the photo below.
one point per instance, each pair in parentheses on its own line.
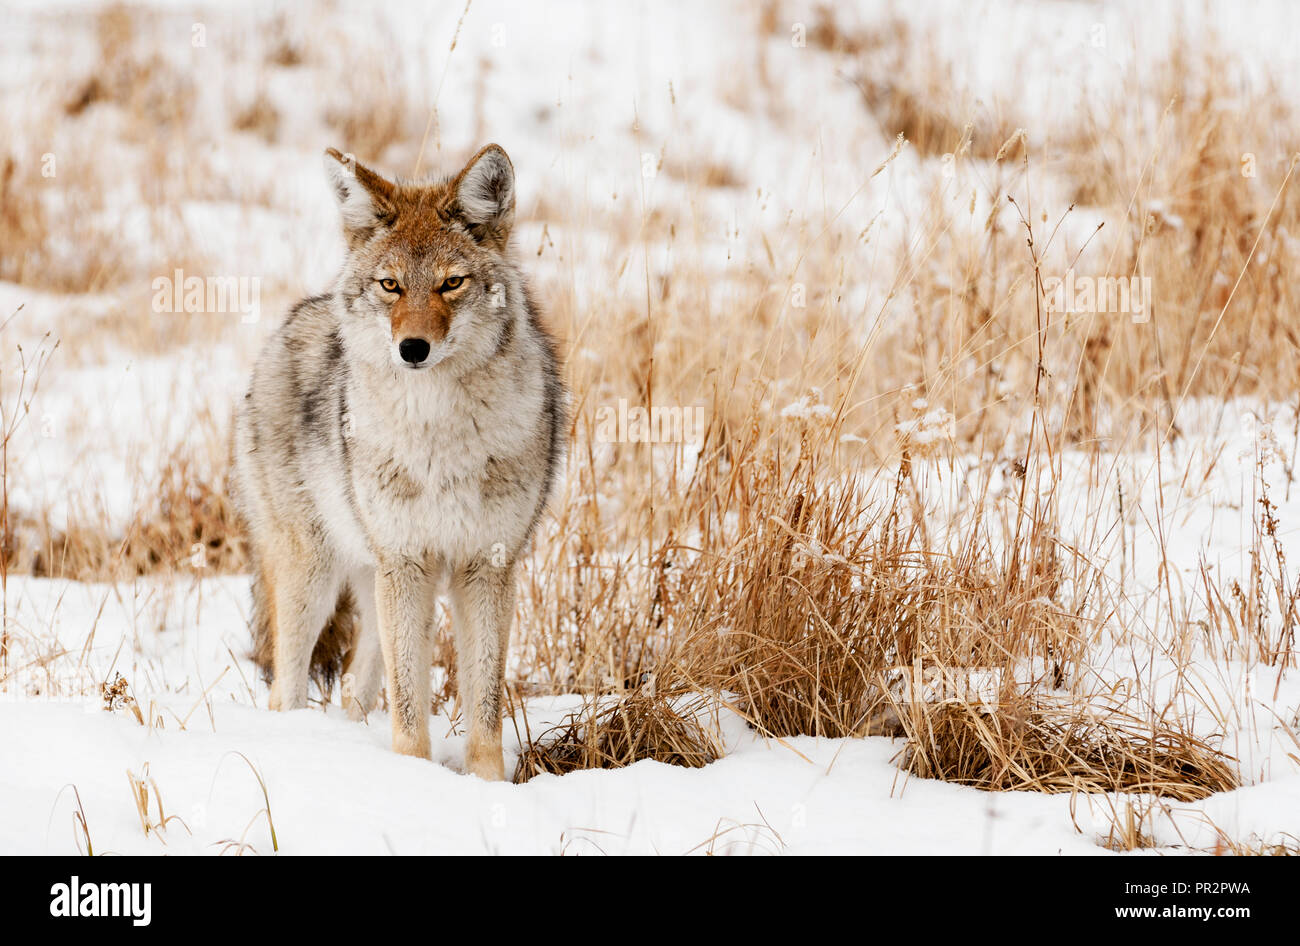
(452,282)
(389,285)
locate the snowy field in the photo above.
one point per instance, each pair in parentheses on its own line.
(697,156)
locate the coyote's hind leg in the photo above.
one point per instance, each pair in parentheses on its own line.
(301,597)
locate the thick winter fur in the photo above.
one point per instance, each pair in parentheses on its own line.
(371,485)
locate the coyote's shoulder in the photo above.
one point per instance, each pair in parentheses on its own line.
(400,437)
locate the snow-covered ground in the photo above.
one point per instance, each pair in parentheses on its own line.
(334,787)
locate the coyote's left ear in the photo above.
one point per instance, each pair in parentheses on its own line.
(485,196)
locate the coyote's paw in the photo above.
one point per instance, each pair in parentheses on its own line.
(486,764)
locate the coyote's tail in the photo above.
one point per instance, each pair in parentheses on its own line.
(328,657)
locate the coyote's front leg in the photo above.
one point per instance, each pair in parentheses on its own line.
(404,602)
(482,600)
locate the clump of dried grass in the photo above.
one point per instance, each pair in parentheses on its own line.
(24,226)
(908,87)
(650,722)
(188,524)
(133,74)
(260,117)
(932,121)
(191,523)
(46,237)
(705,172)
(788,625)
(286,48)
(805,589)
(1026,744)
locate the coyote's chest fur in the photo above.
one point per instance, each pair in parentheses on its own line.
(439,466)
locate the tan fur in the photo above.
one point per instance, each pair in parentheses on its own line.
(429,321)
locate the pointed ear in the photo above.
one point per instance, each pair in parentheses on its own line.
(365,198)
(485,196)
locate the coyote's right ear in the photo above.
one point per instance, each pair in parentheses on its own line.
(365,198)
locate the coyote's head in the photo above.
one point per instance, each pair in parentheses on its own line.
(428,276)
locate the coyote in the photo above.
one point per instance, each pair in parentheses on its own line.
(398,441)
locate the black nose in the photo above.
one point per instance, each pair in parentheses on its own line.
(413,350)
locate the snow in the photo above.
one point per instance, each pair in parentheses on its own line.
(334,787)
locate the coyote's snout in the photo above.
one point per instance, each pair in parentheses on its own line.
(398,442)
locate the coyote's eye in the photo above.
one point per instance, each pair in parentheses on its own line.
(452,282)
(389,285)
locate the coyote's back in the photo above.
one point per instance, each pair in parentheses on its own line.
(398,440)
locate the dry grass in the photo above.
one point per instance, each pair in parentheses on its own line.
(188,527)
(23,223)
(1286,846)
(132,74)
(649,722)
(809,612)
(260,117)
(1063,747)
(827,601)
(375,110)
